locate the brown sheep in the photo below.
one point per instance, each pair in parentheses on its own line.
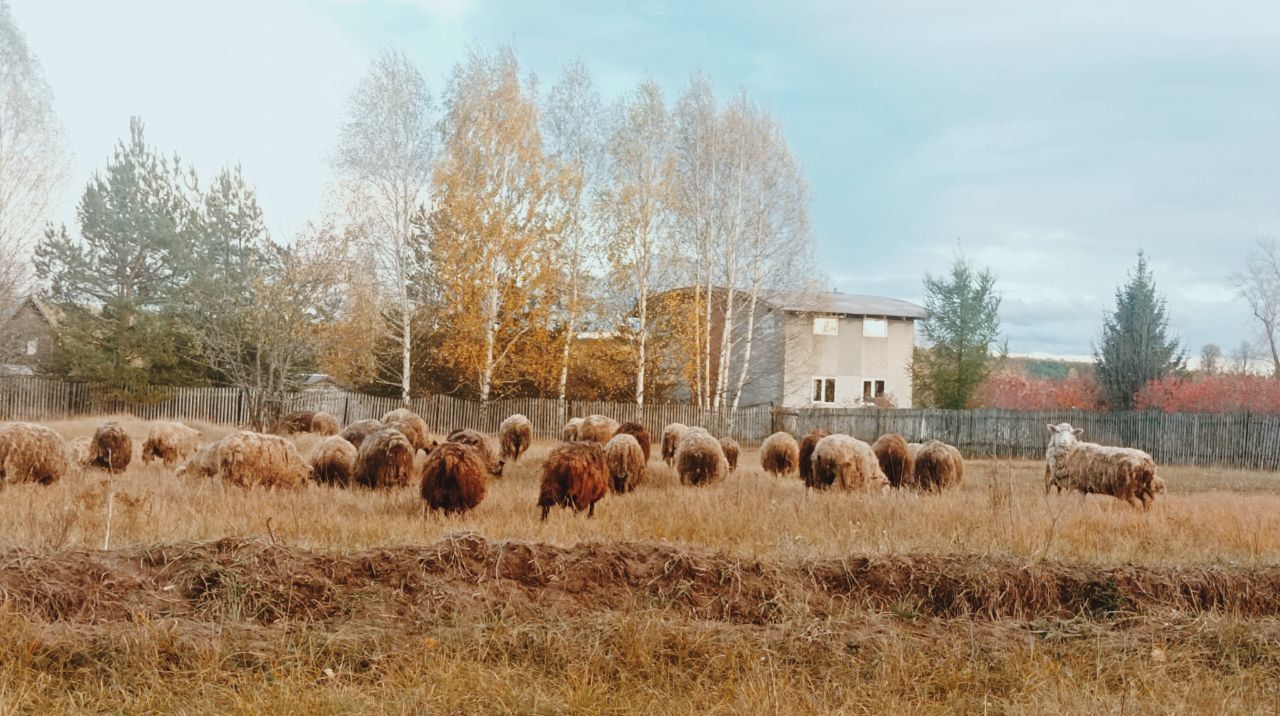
(385,459)
(913,449)
(625,460)
(671,440)
(203,463)
(453,478)
(700,458)
(412,426)
(570,432)
(730,448)
(356,432)
(112,448)
(895,458)
(937,467)
(79,450)
(780,454)
(847,463)
(307,421)
(515,434)
(637,431)
(574,475)
(250,459)
(958,460)
(597,428)
(333,461)
(171,443)
(31,453)
(805,454)
(483,448)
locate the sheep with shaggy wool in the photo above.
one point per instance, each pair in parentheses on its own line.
(411,426)
(333,461)
(730,448)
(846,463)
(574,475)
(80,450)
(895,458)
(356,432)
(453,478)
(384,460)
(700,458)
(937,467)
(625,459)
(780,454)
(171,443)
(31,453)
(1123,473)
(307,421)
(805,454)
(671,440)
(637,431)
(570,432)
(597,428)
(483,448)
(249,459)
(202,463)
(112,448)
(515,435)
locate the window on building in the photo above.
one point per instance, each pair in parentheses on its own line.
(872,389)
(32,347)
(875,328)
(824,390)
(826,326)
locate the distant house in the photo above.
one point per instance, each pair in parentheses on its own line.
(816,349)
(27,338)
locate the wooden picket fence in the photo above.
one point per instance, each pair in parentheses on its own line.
(1232,440)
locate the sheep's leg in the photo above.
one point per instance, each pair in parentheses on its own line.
(545,509)
(591,511)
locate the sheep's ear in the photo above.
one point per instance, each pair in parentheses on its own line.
(1078,431)
(1052,428)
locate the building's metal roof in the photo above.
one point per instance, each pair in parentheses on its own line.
(849,304)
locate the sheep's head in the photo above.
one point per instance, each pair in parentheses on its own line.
(1063,435)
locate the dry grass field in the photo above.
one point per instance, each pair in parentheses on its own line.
(749,596)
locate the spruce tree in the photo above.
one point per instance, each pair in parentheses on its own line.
(1135,347)
(962,327)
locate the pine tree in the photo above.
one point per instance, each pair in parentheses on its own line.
(963,324)
(1135,347)
(119,284)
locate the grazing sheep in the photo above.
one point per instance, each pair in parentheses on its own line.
(79,450)
(333,461)
(637,431)
(412,426)
(574,475)
(171,443)
(671,440)
(780,454)
(895,458)
(247,459)
(937,467)
(203,463)
(597,428)
(805,454)
(385,459)
(307,421)
(848,464)
(913,449)
(624,457)
(356,432)
(730,448)
(112,448)
(1124,473)
(700,458)
(31,453)
(515,435)
(453,478)
(483,448)
(570,432)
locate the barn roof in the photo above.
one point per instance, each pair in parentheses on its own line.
(849,304)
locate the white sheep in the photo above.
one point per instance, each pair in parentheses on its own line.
(1124,473)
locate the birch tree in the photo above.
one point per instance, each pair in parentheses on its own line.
(33,158)
(635,207)
(385,159)
(494,234)
(1259,285)
(574,138)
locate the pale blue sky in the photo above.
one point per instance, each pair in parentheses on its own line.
(1050,144)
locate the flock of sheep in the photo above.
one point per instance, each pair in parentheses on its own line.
(597,455)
